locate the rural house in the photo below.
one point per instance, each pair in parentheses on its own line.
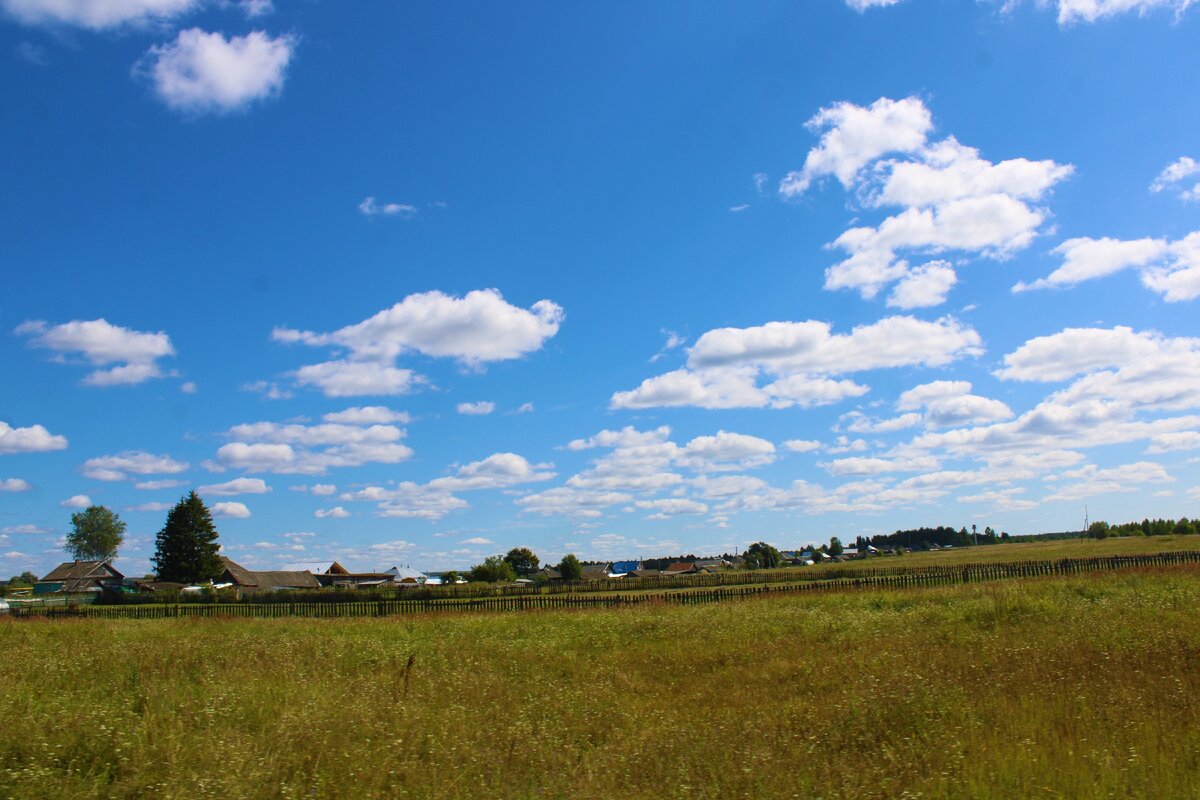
(265,581)
(80,576)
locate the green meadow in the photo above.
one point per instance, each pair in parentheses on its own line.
(1080,687)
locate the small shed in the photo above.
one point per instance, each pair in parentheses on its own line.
(265,580)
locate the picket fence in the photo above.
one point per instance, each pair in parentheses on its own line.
(891,578)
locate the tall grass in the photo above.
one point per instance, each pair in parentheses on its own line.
(1085,687)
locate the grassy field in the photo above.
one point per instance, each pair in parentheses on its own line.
(1085,687)
(1030,551)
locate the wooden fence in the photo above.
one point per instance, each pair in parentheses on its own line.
(888,578)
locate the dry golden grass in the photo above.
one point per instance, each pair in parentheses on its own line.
(1084,687)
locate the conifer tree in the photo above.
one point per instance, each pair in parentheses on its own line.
(186,548)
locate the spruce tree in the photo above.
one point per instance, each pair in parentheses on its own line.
(186,548)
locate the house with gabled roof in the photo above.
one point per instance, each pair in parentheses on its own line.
(265,580)
(73,577)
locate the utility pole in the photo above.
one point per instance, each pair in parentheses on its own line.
(974,536)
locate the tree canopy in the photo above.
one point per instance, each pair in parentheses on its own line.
(96,534)
(523,560)
(186,549)
(570,568)
(761,555)
(494,569)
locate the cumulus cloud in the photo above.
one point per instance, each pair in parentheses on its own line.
(802,445)
(476,329)
(135,354)
(783,364)
(949,197)
(14,485)
(230,510)
(479,408)
(924,286)
(665,508)
(1171,268)
(33,439)
(496,471)
(119,467)
(296,448)
(1089,480)
(96,14)
(1176,177)
(76,501)
(367,415)
(235,487)
(202,72)
(1170,442)
(337,512)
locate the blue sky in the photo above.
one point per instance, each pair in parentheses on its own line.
(415,283)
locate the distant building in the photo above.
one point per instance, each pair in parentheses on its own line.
(73,577)
(680,568)
(597,572)
(266,581)
(624,567)
(406,575)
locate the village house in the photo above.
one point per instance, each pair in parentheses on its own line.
(265,581)
(74,577)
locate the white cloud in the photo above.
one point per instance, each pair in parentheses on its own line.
(480,408)
(323,489)
(235,487)
(1000,500)
(1171,268)
(524,408)
(254,9)
(269,390)
(205,72)
(802,445)
(169,483)
(950,199)
(100,343)
(188,387)
(475,329)
(76,501)
(370,208)
(1072,11)
(26,530)
(572,502)
(948,403)
(726,451)
(1175,175)
(337,512)
(666,508)
(14,485)
(1170,442)
(296,448)
(725,364)
(924,286)
(853,136)
(34,439)
(477,540)
(861,465)
(151,507)
(368,415)
(496,471)
(96,14)
(136,462)
(1090,480)
(230,510)
(862,5)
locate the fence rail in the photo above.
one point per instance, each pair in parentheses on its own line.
(885,578)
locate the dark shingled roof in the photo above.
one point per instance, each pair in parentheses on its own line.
(82,576)
(237,574)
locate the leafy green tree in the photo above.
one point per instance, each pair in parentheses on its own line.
(450,578)
(26,578)
(1098,530)
(494,569)
(523,560)
(570,568)
(96,534)
(835,547)
(761,555)
(186,549)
